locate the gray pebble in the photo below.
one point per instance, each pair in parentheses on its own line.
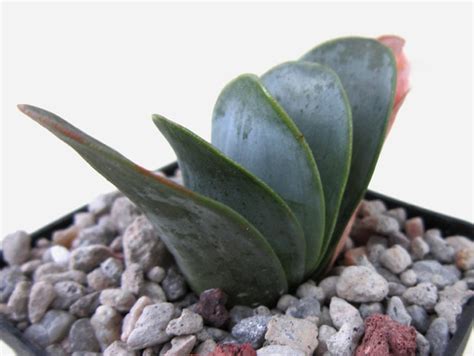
(102,204)
(422,345)
(438,336)
(373,207)
(296,333)
(42,295)
(9,277)
(132,278)
(142,245)
(16,248)
(325,317)
(188,323)
(310,290)
(216,334)
(458,242)
(150,328)
(328,285)
(451,301)
(305,308)
(280,350)
(325,332)
(342,312)
(174,285)
(106,323)
(408,278)
(399,238)
(251,330)
(387,275)
(439,247)
(419,248)
(67,293)
(436,273)
(82,337)
(396,259)
(48,269)
(94,235)
(398,214)
(72,275)
(420,318)
(396,310)
(361,284)
(380,224)
(30,266)
(345,341)
(131,318)
(156,274)
(18,301)
(123,212)
(89,257)
(52,328)
(84,219)
(374,252)
(98,280)
(112,268)
(286,301)
(120,300)
(424,294)
(205,348)
(181,346)
(369,309)
(262,310)
(153,291)
(119,348)
(55,350)
(396,289)
(86,305)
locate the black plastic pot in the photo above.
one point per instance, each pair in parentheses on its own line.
(448,225)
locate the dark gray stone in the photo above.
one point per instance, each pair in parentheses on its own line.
(82,337)
(396,310)
(436,273)
(420,318)
(174,285)
(9,277)
(438,336)
(304,308)
(251,330)
(67,293)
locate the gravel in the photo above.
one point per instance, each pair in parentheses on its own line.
(438,336)
(361,284)
(16,248)
(110,286)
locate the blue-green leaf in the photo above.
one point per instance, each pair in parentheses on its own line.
(207,171)
(368,74)
(313,97)
(214,246)
(251,128)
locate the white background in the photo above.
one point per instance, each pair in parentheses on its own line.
(107,67)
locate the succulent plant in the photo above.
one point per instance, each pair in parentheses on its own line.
(292,153)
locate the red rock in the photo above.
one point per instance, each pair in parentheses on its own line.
(234,350)
(211,307)
(385,337)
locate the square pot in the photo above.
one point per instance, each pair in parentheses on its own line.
(448,225)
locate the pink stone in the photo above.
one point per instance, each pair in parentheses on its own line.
(234,350)
(414,227)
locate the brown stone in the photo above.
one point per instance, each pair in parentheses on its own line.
(66,236)
(385,337)
(352,256)
(414,227)
(211,306)
(234,350)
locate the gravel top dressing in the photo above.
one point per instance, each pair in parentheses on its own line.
(107,285)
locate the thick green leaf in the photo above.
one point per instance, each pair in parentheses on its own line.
(314,98)
(212,244)
(368,74)
(251,128)
(206,171)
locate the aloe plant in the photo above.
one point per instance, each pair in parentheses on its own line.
(292,153)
